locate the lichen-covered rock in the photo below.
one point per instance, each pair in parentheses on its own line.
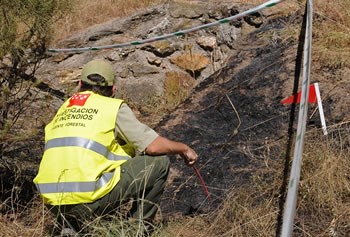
(162,48)
(192,62)
(207,42)
(142,70)
(185,9)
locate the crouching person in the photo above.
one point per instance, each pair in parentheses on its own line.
(98,156)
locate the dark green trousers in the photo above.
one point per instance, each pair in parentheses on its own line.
(142,180)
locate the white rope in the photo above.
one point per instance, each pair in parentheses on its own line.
(290,205)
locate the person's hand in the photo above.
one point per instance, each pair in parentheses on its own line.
(162,146)
(190,156)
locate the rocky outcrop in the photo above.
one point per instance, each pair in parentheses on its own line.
(232,118)
(141,70)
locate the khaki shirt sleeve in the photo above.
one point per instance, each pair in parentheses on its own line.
(132,131)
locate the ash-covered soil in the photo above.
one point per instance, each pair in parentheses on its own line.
(234,119)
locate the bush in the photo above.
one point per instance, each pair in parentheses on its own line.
(25,30)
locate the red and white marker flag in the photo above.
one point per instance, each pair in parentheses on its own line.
(314,96)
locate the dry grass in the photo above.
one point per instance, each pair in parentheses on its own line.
(332,33)
(250,210)
(34,220)
(177,87)
(86,13)
(324,200)
(325,186)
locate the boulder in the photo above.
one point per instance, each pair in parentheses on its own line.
(142,69)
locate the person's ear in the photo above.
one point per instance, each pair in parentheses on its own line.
(78,86)
(114,89)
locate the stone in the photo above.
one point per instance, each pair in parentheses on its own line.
(197,54)
(161,48)
(184,9)
(207,42)
(141,69)
(191,61)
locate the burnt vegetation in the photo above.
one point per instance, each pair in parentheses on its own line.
(233,119)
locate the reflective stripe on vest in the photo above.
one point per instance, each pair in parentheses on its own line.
(85,143)
(65,187)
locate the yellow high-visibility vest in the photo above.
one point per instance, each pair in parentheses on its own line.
(81,161)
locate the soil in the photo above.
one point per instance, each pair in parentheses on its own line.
(234,119)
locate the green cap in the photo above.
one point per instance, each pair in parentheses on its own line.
(100,67)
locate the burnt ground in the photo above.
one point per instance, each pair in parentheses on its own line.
(226,141)
(232,137)
(234,119)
